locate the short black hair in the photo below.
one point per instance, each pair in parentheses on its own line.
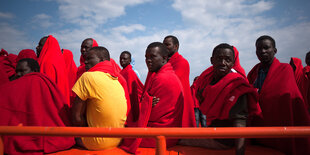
(126,52)
(161,46)
(264,37)
(308,54)
(33,64)
(101,52)
(174,39)
(223,46)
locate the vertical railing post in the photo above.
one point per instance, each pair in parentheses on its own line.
(160,145)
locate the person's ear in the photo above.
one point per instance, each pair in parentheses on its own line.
(275,50)
(177,47)
(212,60)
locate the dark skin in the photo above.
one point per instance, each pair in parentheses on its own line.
(124,60)
(223,61)
(85,46)
(40,46)
(154,61)
(79,106)
(22,69)
(265,52)
(308,59)
(292,64)
(172,48)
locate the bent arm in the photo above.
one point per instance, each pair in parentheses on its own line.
(78,112)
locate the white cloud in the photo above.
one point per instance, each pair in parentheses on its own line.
(93,12)
(42,20)
(128,29)
(12,39)
(4,15)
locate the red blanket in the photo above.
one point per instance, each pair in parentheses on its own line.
(301,80)
(3,76)
(222,96)
(108,67)
(33,100)
(53,65)
(282,105)
(166,113)
(237,65)
(181,68)
(3,52)
(26,53)
(135,89)
(71,71)
(9,64)
(193,90)
(306,71)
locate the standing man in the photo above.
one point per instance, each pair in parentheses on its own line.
(279,98)
(181,68)
(162,100)
(100,97)
(135,86)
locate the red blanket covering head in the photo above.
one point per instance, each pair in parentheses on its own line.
(3,52)
(282,105)
(166,113)
(39,103)
(222,96)
(298,70)
(135,88)
(26,53)
(108,67)
(52,64)
(71,66)
(237,65)
(9,64)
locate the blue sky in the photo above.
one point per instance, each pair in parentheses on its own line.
(131,25)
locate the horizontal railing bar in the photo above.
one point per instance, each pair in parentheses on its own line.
(220,132)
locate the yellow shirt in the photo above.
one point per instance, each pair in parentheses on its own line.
(106,106)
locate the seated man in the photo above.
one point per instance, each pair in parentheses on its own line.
(279,98)
(33,100)
(226,98)
(135,86)
(162,100)
(100,97)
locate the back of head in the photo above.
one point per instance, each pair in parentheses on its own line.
(32,63)
(264,37)
(101,52)
(161,46)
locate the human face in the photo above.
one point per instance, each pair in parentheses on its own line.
(124,60)
(22,69)
(222,61)
(154,60)
(40,46)
(172,48)
(265,51)
(85,46)
(91,59)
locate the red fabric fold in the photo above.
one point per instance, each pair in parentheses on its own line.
(166,113)
(135,89)
(306,71)
(3,52)
(282,105)
(52,64)
(181,68)
(222,96)
(301,80)
(71,71)
(44,105)
(107,67)
(26,53)
(237,65)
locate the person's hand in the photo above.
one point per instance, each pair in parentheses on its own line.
(155,101)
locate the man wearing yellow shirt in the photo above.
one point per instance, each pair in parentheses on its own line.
(100,97)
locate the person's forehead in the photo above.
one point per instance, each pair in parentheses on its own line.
(168,40)
(224,52)
(22,64)
(125,55)
(87,42)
